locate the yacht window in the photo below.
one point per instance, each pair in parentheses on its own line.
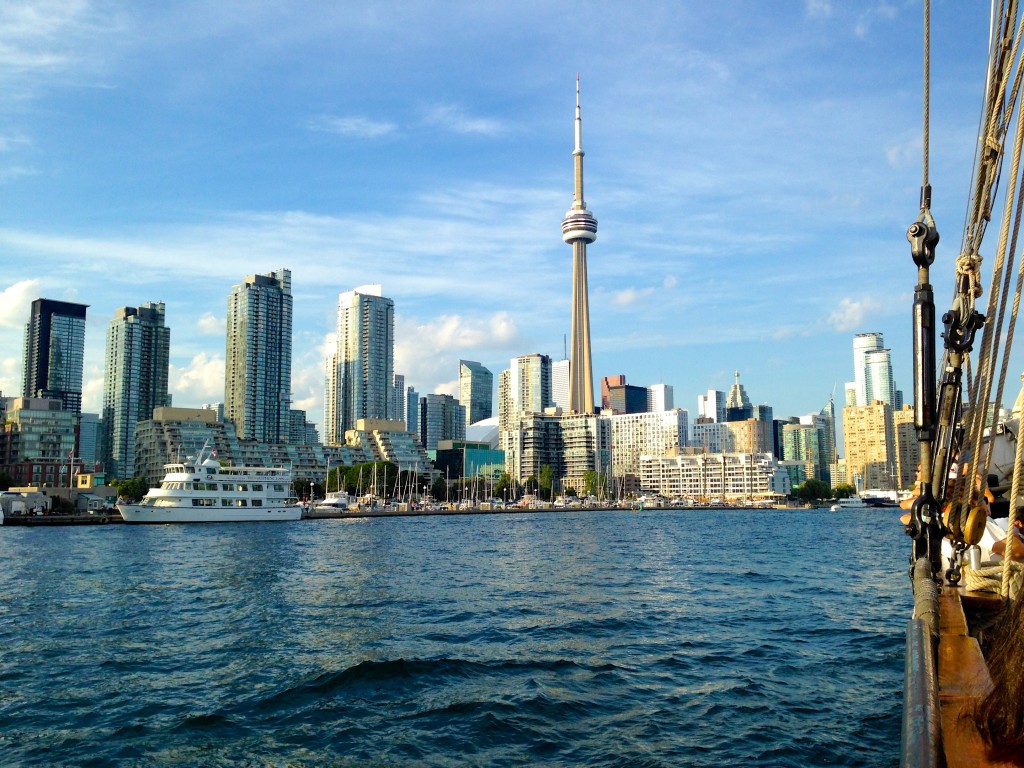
(257,502)
(240,502)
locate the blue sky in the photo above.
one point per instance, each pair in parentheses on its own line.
(753,168)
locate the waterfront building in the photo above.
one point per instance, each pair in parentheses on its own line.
(748,436)
(134,381)
(388,440)
(442,417)
(870,446)
(258,357)
(476,391)
(725,477)
(560,384)
(579,228)
(655,433)
(711,406)
(456,459)
(38,441)
(176,433)
(659,397)
(801,445)
(573,445)
(217,408)
(908,449)
(55,352)
(360,373)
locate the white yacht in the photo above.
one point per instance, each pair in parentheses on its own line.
(850,503)
(202,491)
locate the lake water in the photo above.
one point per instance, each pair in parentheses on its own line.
(655,638)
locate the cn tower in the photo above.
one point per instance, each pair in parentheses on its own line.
(578,229)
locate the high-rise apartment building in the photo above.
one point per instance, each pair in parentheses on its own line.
(55,352)
(872,371)
(476,391)
(412,411)
(258,357)
(134,381)
(398,399)
(870,446)
(360,374)
(524,388)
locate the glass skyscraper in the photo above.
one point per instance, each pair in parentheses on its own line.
(476,391)
(258,358)
(134,381)
(55,352)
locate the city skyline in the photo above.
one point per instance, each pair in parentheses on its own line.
(436,162)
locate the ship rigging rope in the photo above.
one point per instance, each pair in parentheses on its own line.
(1000,107)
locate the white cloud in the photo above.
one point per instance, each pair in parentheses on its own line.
(360,127)
(630,296)
(16,301)
(92,390)
(10,376)
(448,388)
(850,314)
(455,119)
(670,281)
(209,325)
(428,353)
(818,8)
(202,381)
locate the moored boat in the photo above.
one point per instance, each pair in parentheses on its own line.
(200,490)
(851,503)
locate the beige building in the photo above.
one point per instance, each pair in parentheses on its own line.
(749,436)
(868,434)
(908,449)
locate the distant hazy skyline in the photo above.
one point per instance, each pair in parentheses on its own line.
(754,168)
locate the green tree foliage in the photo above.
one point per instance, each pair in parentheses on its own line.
(506,488)
(6,481)
(812,490)
(844,491)
(336,478)
(300,488)
(570,492)
(595,484)
(131,490)
(372,477)
(439,490)
(546,481)
(530,485)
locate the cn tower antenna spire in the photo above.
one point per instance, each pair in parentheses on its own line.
(578,229)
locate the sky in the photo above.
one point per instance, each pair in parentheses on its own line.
(753,168)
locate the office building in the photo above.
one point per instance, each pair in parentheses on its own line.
(659,397)
(560,384)
(737,405)
(55,352)
(258,357)
(360,373)
(134,381)
(711,406)
(476,391)
(442,417)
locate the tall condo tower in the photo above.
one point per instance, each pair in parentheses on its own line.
(578,229)
(134,381)
(55,352)
(258,359)
(360,373)
(476,391)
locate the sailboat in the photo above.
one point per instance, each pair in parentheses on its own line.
(964,692)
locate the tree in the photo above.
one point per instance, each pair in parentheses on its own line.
(6,481)
(131,490)
(530,485)
(594,483)
(439,490)
(844,491)
(506,488)
(546,481)
(300,487)
(812,490)
(335,478)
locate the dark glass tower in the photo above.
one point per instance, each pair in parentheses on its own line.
(55,352)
